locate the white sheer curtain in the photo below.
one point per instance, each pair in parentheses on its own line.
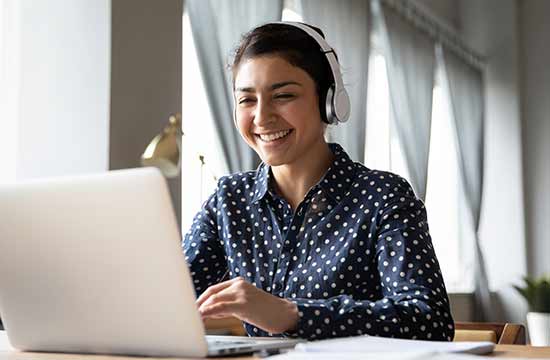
(465,88)
(410,59)
(9,86)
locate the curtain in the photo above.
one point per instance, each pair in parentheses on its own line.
(465,88)
(217,26)
(410,59)
(346,27)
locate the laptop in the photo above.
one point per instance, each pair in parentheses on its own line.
(93,264)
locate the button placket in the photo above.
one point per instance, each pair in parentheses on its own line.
(292,239)
(280,265)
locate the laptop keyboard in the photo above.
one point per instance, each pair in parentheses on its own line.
(229,342)
(226,345)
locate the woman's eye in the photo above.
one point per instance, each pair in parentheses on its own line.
(284,96)
(245,100)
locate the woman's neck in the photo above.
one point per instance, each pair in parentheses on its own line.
(293,181)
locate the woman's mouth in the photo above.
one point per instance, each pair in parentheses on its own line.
(274,136)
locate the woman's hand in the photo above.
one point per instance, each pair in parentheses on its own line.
(240,299)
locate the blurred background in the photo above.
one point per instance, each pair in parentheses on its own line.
(454,95)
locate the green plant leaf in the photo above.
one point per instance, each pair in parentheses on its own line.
(537,293)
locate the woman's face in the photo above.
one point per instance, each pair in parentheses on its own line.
(277,111)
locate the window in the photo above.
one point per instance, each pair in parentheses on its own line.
(443,198)
(383,152)
(382,148)
(198,181)
(292,11)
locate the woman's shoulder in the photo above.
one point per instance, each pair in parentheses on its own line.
(384,184)
(240,182)
(238,177)
(369,181)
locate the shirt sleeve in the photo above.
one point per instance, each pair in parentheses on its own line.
(203,247)
(414,301)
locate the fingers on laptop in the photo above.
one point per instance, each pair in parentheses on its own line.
(228,299)
(245,301)
(218,310)
(233,292)
(214,289)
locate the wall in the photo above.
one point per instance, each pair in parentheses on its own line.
(535,32)
(145,78)
(63,123)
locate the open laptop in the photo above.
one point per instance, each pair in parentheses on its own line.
(93,264)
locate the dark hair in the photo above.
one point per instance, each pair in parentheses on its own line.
(292,44)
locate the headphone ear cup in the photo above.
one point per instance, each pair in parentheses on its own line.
(323,106)
(341,105)
(329,106)
(337,106)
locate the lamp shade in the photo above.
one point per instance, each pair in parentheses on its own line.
(164,151)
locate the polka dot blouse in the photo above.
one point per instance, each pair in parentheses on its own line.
(356,256)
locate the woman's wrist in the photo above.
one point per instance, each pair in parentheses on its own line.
(291,316)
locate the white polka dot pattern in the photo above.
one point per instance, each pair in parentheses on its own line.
(356,255)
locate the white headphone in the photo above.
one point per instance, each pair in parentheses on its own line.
(337,107)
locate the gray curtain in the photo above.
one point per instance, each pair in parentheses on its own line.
(217,26)
(346,27)
(410,59)
(465,88)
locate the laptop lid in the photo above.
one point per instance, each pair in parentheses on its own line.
(94,264)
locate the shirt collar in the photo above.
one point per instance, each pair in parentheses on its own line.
(263,176)
(340,175)
(335,182)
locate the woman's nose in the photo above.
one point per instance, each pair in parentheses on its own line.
(264,113)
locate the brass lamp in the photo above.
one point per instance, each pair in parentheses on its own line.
(164,151)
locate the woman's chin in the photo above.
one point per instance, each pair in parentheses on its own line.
(274,157)
(273,161)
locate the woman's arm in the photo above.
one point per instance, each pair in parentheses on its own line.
(203,247)
(414,301)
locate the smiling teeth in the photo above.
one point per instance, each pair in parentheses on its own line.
(275,136)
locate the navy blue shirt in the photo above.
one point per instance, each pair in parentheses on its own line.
(356,255)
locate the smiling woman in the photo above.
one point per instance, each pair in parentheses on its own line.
(316,245)
(277,114)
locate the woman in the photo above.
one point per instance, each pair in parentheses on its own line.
(315,245)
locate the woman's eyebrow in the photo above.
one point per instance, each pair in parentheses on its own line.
(284,83)
(244,89)
(272,87)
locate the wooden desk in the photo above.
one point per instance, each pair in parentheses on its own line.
(501,351)
(521,351)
